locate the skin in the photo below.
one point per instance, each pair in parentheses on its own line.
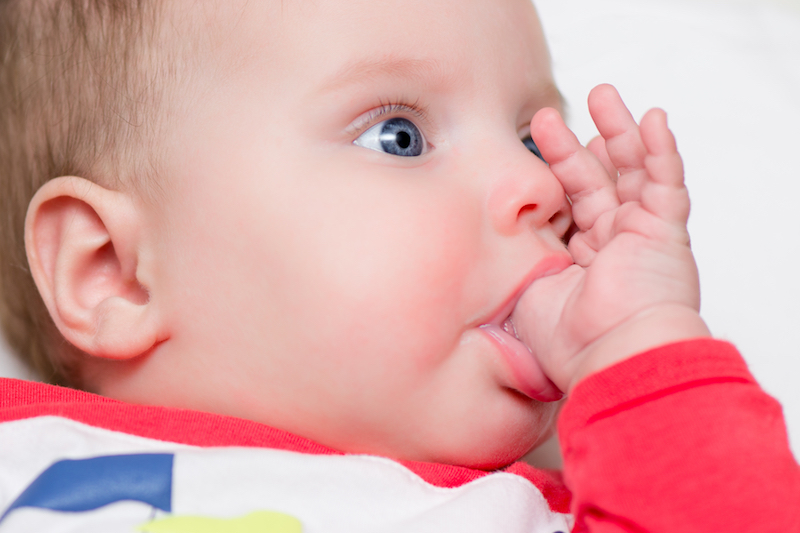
(292,277)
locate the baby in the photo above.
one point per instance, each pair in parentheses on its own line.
(362,227)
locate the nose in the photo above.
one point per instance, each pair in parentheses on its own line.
(525,194)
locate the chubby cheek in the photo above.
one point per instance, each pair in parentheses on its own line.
(388,283)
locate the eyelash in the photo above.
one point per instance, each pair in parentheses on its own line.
(386,110)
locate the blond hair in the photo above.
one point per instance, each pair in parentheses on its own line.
(81,83)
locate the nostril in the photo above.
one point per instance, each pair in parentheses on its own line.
(527,208)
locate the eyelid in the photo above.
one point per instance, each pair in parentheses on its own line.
(386,110)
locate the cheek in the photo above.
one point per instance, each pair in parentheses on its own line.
(379,272)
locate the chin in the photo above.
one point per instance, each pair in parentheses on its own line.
(491,447)
(494,455)
(502,442)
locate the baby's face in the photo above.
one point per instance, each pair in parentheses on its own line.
(349,201)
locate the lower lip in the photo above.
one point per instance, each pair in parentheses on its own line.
(527,375)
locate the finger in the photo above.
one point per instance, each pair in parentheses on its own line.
(665,194)
(623,142)
(598,147)
(632,218)
(585,245)
(582,253)
(582,175)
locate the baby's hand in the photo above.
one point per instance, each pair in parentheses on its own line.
(634,285)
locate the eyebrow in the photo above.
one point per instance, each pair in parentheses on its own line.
(366,70)
(391,67)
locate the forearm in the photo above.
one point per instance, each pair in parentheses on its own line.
(679,439)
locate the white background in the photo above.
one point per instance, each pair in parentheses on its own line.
(728,73)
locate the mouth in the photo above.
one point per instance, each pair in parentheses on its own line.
(505,327)
(547,267)
(525,374)
(508,327)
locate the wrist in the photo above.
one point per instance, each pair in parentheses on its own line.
(649,329)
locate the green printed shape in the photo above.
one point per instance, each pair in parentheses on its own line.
(258,522)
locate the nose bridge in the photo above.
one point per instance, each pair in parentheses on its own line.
(523,192)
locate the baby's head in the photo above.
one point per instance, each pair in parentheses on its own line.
(316,215)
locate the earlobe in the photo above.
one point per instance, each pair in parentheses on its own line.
(83,246)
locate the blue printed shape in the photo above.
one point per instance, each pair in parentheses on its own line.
(87,484)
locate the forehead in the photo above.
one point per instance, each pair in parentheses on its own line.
(329,43)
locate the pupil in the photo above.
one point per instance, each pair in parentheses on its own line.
(403,139)
(399,136)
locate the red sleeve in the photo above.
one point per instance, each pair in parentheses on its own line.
(679,439)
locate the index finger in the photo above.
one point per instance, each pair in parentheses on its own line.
(583,176)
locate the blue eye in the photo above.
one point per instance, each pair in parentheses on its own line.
(530,145)
(396,136)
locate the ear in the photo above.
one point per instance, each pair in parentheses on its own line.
(84,252)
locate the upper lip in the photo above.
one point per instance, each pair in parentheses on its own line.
(551,264)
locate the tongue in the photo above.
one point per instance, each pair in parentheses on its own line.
(528,376)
